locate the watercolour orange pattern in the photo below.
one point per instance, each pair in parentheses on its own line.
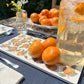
(19,46)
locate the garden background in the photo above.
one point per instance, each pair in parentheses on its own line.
(30,7)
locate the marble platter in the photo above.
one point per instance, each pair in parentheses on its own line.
(18,47)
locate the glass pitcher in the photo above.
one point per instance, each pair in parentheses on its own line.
(70,36)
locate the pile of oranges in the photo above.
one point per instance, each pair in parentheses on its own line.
(46,17)
(46,50)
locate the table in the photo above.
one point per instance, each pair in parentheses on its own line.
(31,74)
(37,31)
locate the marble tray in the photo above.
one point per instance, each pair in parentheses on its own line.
(8,75)
(18,47)
(42,26)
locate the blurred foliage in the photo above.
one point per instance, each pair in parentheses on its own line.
(37,6)
(5,11)
(58,2)
(30,7)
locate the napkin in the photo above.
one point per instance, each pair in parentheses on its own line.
(8,75)
(4,29)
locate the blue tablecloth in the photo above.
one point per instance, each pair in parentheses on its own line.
(31,74)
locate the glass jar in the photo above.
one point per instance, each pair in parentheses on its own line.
(21,20)
(70,36)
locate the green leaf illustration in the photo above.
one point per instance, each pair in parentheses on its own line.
(20,47)
(10,50)
(17,50)
(12,39)
(17,45)
(62,74)
(1,68)
(29,53)
(8,46)
(27,47)
(1,46)
(9,43)
(30,43)
(26,52)
(13,43)
(73,74)
(26,57)
(74,66)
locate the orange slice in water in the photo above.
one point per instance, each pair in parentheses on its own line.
(80,19)
(80,9)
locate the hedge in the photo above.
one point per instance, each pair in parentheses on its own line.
(30,7)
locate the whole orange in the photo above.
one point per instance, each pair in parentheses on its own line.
(34,17)
(54,21)
(49,42)
(42,17)
(50,20)
(53,13)
(36,49)
(39,15)
(56,13)
(51,55)
(45,22)
(45,12)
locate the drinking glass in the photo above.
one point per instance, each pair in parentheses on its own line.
(70,36)
(21,22)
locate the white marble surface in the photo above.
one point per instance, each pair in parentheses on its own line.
(8,75)
(18,47)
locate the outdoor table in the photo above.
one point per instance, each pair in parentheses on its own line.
(31,74)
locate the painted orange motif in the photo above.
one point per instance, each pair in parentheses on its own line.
(25,45)
(51,55)
(31,26)
(13,48)
(6,45)
(20,53)
(18,43)
(21,36)
(49,42)
(24,40)
(14,41)
(37,40)
(36,49)
(29,37)
(68,70)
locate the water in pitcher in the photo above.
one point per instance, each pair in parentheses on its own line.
(70,37)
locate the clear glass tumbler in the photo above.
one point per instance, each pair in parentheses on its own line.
(70,36)
(21,22)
